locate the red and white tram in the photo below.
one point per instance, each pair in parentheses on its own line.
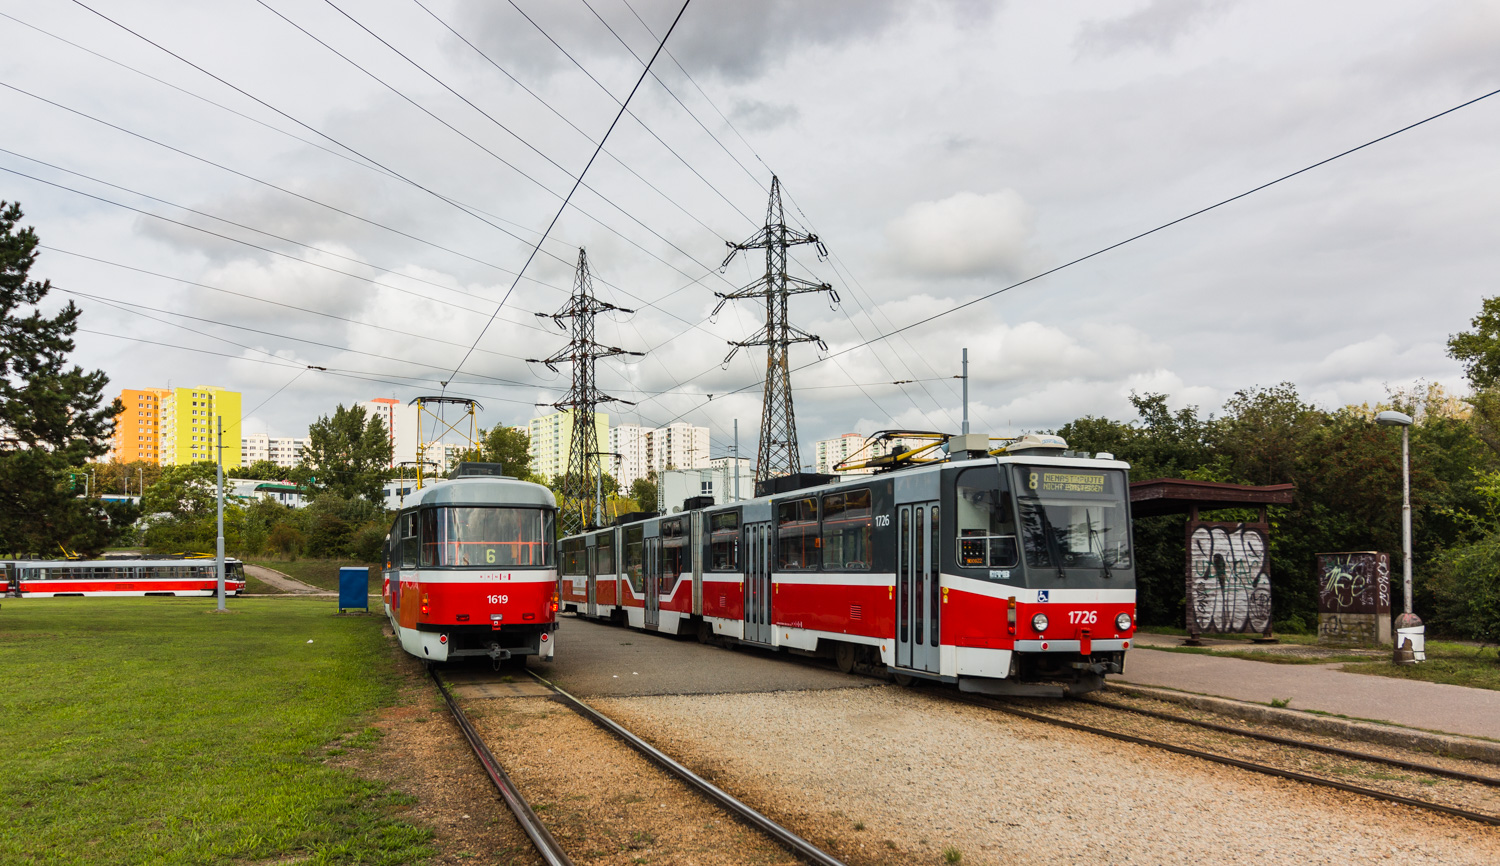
(124,577)
(994,570)
(469,569)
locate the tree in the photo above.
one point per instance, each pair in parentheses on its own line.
(1479,349)
(643,491)
(509,447)
(349,455)
(182,510)
(52,415)
(260,470)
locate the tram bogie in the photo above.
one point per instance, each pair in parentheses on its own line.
(994,572)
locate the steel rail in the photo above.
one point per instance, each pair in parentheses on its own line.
(545,843)
(1251,766)
(791,841)
(1412,766)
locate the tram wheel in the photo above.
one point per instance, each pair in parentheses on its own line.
(705,632)
(904,680)
(843,656)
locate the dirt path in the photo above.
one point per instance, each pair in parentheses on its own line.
(279,580)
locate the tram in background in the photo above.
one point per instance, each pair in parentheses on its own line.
(470,570)
(1004,571)
(112,578)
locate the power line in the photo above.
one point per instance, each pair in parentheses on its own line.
(576,183)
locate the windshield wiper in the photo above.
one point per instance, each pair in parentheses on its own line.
(1054,550)
(1103,558)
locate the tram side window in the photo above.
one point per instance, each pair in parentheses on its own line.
(724,542)
(635,541)
(573,552)
(427,527)
(848,530)
(409,540)
(984,520)
(673,547)
(604,553)
(797,534)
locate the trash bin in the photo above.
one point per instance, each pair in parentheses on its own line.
(354,588)
(1418,637)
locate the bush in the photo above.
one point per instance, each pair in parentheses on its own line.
(368,543)
(286,539)
(1465,584)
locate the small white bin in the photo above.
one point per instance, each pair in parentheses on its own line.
(1418,637)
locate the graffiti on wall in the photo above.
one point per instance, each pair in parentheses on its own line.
(1354,583)
(1229,579)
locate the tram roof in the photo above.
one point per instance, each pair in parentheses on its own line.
(485,490)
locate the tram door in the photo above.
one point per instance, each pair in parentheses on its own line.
(758,582)
(591,556)
(652,569)
(918,596)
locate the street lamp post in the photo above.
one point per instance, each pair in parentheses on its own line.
(1408,621)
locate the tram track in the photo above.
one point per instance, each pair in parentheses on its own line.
(1255,766)
(546,844)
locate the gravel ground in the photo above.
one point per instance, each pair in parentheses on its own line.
(604,803)
(422,753)
(892,776)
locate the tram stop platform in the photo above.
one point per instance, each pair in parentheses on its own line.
(1317,690)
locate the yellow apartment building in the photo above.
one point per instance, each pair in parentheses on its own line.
(138,427)
(188,418)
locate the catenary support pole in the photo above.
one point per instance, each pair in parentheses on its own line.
(1405,522)
(219,563)
(966,391)
(736,460)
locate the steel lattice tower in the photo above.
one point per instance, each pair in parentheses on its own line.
(582,479)
(778,453)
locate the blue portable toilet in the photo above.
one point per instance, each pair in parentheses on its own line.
(354,588)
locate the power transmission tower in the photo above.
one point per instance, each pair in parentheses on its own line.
(778,427)
(582,481)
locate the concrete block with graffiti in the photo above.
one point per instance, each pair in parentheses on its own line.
(1354,598)
(1228,579)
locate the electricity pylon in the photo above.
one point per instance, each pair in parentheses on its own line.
(778,453)
(583,504)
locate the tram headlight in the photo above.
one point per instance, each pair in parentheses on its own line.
(1122,622)
(1039,623)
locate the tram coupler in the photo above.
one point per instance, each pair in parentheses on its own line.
(497,654)
(1098,668)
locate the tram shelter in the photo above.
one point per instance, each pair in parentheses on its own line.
(1228,569)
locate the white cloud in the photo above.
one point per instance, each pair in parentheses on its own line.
(964,235)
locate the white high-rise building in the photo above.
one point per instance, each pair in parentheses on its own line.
(401,423)
(284,451)
(643,449)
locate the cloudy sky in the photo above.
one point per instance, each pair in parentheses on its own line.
(355,185)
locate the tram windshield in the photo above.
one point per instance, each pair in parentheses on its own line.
(1073,518)
(486,536)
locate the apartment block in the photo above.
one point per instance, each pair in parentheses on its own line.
(188,419)
(284,451)
(402,424)
(643,449)
(138,427)
(552,438)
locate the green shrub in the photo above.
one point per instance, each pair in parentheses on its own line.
(286,540)
(1465,583)
(368,543)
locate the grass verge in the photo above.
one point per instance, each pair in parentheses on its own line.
(322,573)
(154,731)
(1452,663)
(1262,655)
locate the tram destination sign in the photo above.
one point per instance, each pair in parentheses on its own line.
(1053,480)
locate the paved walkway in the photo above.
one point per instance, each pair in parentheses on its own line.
(281,581)
(1415,704)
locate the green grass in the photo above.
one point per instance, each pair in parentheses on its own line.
(1260,655)
(154,731)
(322,573)
(1452,663)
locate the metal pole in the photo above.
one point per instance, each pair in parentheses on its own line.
(966,392)
(219,564)
(1405,521)
(736,460)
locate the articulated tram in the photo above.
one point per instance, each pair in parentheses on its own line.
(118,578)
(469,569)
(995,570)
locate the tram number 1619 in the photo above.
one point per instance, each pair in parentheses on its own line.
(498,599)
